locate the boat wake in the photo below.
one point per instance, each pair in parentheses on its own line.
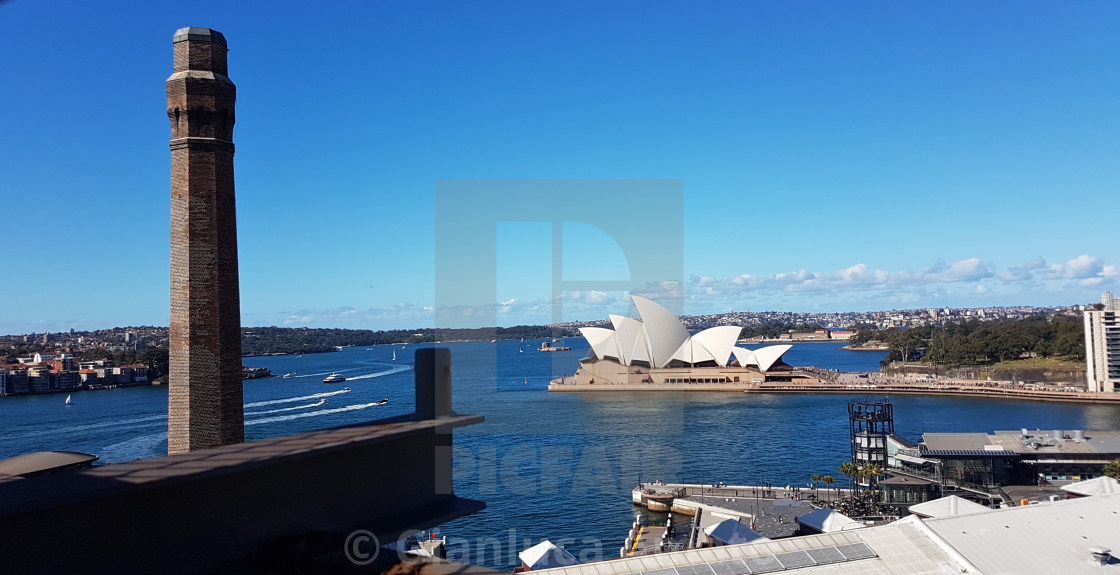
(151,445)
(134,422)
(278,418)
(396,369)
(291,399)
(298,407)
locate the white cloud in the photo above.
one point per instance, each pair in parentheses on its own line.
(1079,268)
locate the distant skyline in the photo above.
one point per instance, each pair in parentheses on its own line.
(833,156)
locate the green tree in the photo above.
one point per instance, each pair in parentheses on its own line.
(158,361)
(828,480)
(870,471)
(1112,469)
(850,469)
(816,477)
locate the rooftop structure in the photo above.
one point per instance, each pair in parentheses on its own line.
(1022,457)
(252,507)
(1056,537)
(32,464)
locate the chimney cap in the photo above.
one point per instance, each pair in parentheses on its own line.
(193,34)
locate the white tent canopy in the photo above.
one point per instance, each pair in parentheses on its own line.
(828,521)
(545,555)
(947,507)
(732,532)
(1102,485)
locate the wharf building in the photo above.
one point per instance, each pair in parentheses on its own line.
(658,352)
(982,461)
(1102,345)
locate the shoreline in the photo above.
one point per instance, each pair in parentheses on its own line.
(953,390)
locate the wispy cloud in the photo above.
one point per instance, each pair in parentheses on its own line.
(971,279)
(1085,270)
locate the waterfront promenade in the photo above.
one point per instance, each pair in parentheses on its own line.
(868,383)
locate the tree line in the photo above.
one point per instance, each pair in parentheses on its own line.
(274,340)
(981,343)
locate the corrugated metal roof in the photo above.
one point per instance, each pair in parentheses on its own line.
(895,549)
(1045,538)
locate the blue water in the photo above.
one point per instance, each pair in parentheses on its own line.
(557,466)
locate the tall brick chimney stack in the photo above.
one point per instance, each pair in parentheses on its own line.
(204,395)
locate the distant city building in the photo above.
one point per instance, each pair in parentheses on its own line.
(1102,345)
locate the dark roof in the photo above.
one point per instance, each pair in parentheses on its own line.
(44,462)
(904,480)
(968,453)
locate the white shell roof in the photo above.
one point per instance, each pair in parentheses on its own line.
(764,357)
(666,334)
(660,338)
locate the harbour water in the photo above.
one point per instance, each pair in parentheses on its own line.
(556,466)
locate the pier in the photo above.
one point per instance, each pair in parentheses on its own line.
(955,388)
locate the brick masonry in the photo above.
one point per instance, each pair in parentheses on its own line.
(205,395)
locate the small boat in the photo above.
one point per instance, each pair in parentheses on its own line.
(394,355)
(68,402)
(321,402)
(334,378)
(288,375)
(382,402)
(346,389)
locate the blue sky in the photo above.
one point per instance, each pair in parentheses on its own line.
(833,156)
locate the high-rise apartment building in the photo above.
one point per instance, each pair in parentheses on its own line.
(1102,345)
(204,394)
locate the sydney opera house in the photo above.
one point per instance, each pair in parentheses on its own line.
(658,351)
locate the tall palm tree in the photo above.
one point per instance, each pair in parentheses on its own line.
(850,469)
(871,471)
(816,477)
(828,480)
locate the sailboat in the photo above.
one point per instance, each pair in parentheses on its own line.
(68,402)
(394,355)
